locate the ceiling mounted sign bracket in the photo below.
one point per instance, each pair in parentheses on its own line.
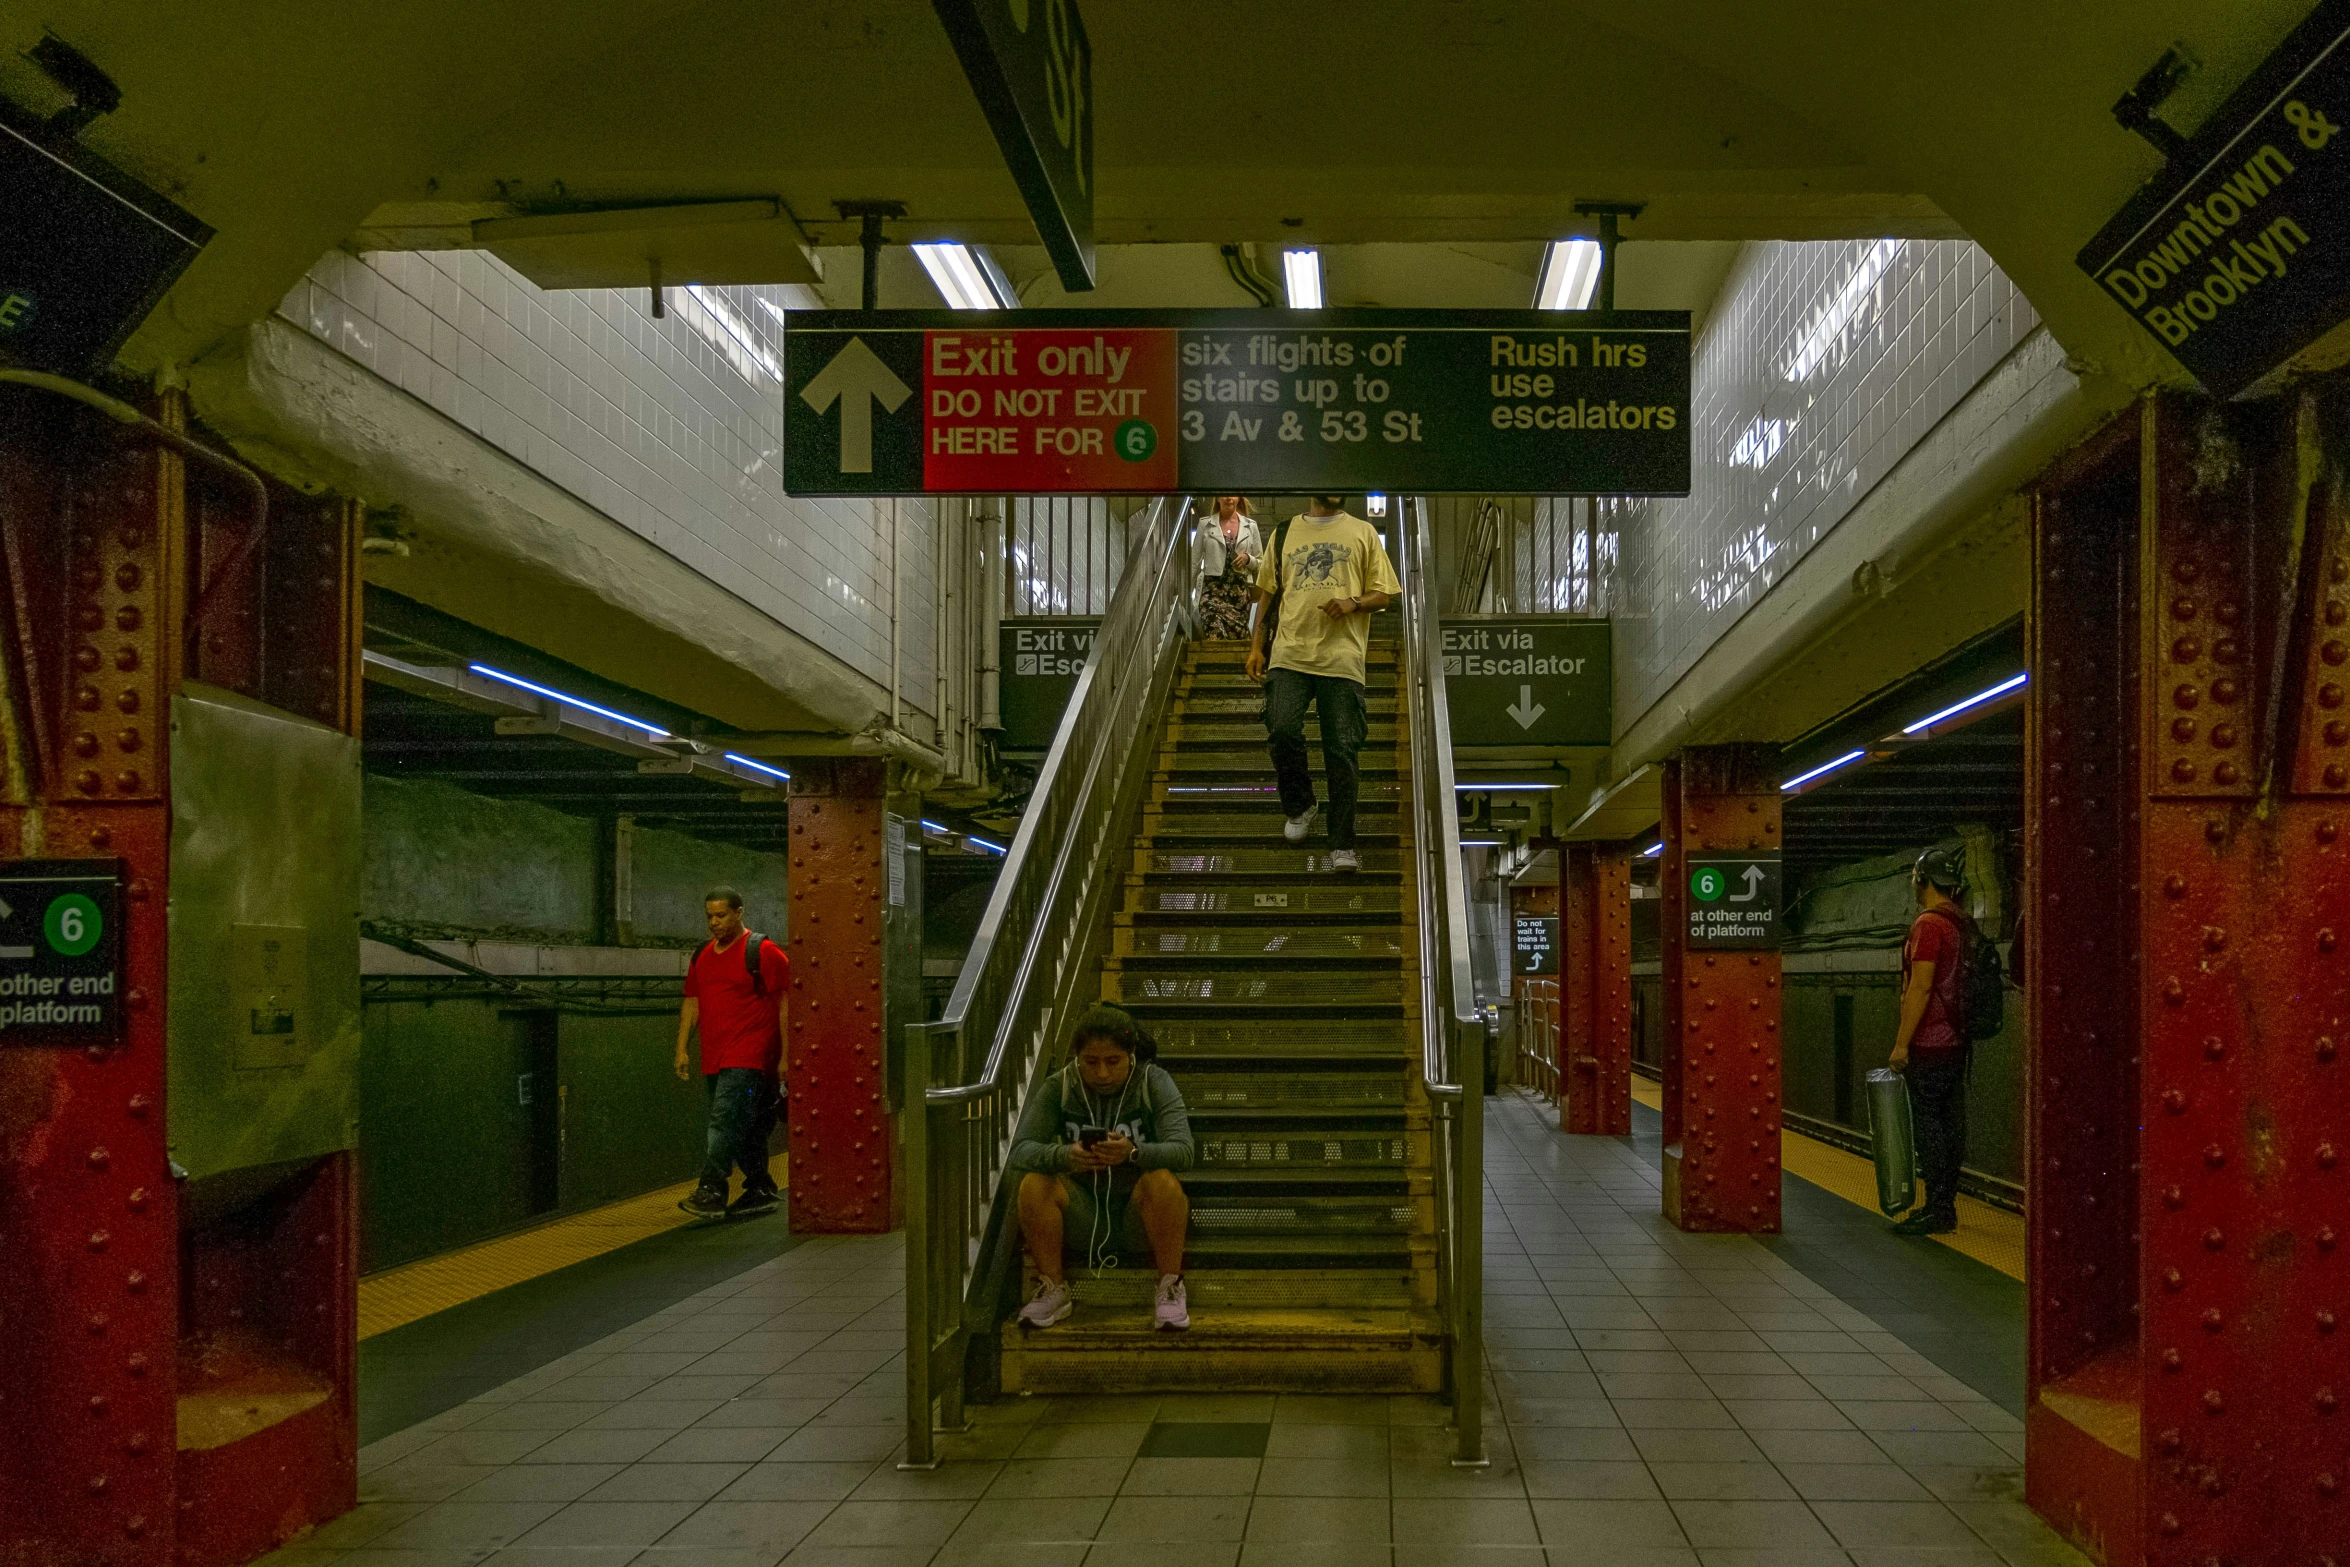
(870,216)
(1608,213)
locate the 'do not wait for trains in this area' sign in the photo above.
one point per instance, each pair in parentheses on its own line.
(912,402)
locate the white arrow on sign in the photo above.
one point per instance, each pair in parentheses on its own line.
(1525,709)
(1754,881)
(859,379)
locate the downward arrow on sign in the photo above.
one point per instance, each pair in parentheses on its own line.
(1525,709)
(859,379)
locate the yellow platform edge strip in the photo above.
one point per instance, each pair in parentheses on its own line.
(1992,1236)
(401,1295)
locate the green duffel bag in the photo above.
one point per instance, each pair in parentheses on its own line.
(1895,1140)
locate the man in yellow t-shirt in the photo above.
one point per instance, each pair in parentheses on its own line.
(1331,572)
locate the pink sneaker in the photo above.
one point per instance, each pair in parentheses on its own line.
(1173,1308)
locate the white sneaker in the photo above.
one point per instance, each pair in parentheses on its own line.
(1296,828)
(1050,1304)
(1345,860)
(1173,1308)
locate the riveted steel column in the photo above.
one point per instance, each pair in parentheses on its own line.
(1595,1053)
(1721,1009)
(2211,1369)
(849,952)
(89,1272)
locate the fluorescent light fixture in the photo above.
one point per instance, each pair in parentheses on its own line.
(1652,851)
(1570,275)
(655,730)
(1478,788)
(1976,700)
(1483,843)
(964,277)
(741,760)
(930,826)
(1821,771)
(1376,505)
(992,848)
(1301,271)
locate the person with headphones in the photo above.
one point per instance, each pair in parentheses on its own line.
(1099,1145)
(1931,1044)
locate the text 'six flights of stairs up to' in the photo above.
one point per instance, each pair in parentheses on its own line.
(1286,1003)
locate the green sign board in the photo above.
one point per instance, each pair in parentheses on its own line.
(61,952)
(1535,944)
(1036,402)
(1733,900)
(2232,255)
(1038,662)
(1537,680)
(1032,68)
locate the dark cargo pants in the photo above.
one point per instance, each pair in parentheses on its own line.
(742,1119)
(1346,720)
(1937,1103)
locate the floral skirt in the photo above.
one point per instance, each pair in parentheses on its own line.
(1224,604)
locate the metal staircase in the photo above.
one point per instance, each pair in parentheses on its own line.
(1285,1001)
(1319,1025)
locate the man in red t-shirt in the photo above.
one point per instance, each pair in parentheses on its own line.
(738,991)
(1931,1045)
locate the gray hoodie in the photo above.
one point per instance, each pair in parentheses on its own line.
(1149,1110)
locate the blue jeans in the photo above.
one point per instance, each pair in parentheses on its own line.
(742,1117)
(1345,722)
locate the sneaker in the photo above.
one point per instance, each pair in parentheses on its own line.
(705,1203)
(1296,828)
(1345,861)
(1050,1304)
(1173,1307)
(1927,1223)
(755,1204)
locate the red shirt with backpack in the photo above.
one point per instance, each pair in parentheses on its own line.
(739,990)
(1936,937)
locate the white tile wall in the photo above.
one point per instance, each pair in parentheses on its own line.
(673,428)
(1823,365)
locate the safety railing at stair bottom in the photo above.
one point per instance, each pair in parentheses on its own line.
(1452,1034)
(968,1073)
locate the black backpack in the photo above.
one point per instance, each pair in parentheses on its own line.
(1982,989)
(1273,602)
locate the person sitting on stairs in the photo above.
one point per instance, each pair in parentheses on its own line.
(1099,1145)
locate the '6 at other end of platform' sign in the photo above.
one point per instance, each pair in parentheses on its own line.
(1733,900)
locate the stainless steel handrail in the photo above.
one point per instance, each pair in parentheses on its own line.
(1452,1058)
(1028,966)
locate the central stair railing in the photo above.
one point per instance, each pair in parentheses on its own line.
(1029,969)
(1452,1033)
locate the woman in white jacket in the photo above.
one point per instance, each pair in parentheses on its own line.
(1226,557)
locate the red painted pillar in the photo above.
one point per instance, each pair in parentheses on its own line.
(115,1293)
(2189,901)
(1721,1008)
(1595,1051)
(856,956)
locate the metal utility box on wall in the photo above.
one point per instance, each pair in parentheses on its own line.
(264,935)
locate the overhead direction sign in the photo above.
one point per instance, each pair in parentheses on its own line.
(1528,681)
(61,952)
(1056,401)
(2237,255)
(1032,69)
(1733,900)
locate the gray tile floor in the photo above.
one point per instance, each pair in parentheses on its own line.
(1658,1400)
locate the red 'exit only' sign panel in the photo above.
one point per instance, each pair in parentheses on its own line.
(1038,402)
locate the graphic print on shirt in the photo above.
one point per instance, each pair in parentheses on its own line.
(1321,562)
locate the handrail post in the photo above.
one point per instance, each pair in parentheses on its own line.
(921,1446)
(1468,1296)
